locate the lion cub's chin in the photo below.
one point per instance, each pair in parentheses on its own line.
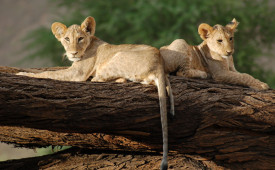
(74,58)
(224,56)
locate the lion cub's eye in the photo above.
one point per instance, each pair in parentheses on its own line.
(80,39)
(67,39)
(231,38)
(219,41)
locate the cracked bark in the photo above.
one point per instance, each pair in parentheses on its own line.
(231,125)
(76,158)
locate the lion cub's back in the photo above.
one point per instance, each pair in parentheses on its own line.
(175,54)
(133,62)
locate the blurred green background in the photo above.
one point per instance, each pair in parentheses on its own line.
(159,22)
(9,151)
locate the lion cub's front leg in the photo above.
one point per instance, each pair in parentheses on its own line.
(240,79)
(69,74)
(26,74)
(258,85)
(39,75)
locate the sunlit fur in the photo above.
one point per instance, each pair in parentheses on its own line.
(212,58)
(221,41)
(74,39)
(75,42)
(106,62)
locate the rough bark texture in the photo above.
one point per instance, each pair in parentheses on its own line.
(231,125)
(90,159)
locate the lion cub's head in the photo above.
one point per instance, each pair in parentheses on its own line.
(219,39)
(75,39)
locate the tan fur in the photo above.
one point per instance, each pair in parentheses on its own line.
(106,62)
(212,58)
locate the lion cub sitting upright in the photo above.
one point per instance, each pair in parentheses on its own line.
(213,57)
(106,62)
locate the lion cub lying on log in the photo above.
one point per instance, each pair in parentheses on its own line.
(213,57)
(105,62)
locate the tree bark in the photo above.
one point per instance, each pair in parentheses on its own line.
(231,125)
(75,158)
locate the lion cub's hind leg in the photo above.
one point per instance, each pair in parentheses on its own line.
(192,73)
(98,79)
(185,69)
(178,58)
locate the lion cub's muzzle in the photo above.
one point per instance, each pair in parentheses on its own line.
(229,53)
(74,55)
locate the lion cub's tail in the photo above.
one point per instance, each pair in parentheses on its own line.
(171,97)
(162,81)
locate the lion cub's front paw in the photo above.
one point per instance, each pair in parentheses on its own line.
(121,80)
(264,86)
(260,86)
(25,74)
(204,75)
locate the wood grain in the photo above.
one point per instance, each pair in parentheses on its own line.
(224,123)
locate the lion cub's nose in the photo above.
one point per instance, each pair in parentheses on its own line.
(74,53)
(229,52)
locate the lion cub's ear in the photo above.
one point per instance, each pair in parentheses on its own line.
(204,30)
(88,25)
(58,30)
(233,25)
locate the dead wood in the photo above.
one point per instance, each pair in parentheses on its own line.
(228,124)
(76,158)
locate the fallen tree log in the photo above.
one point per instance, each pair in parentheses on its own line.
(76,158)
(224,123)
